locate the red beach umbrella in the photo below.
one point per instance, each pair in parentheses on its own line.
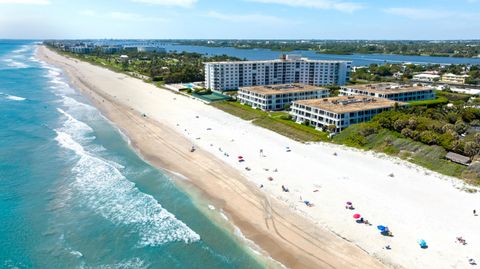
(349,203)
(356,216)
(240,157)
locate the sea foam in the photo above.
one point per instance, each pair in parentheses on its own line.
(15,64)
(106,191)
(13,97)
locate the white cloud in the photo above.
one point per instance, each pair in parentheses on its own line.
(427,14)
(317,4)
(122,16)
(249,18)
(172,3)
(26,2)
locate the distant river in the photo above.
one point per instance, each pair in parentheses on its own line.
(357,59)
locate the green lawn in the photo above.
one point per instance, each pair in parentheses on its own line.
(275,121)
(440,100)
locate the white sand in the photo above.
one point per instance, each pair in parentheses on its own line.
(415,204)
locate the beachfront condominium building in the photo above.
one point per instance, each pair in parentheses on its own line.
(340,111)
(278,97)
(392,91)
(223,76)
(426,77)
(454,79)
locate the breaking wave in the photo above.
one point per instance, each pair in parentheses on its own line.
(104,189)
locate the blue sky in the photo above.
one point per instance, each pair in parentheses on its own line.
(229,19)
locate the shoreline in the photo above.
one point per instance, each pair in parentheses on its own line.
(290,239)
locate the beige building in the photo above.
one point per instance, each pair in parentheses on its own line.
(392,91)
(454,79)
(277,97)
(341,111)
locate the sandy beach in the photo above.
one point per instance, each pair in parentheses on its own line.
(414,203)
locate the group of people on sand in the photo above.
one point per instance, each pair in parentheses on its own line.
(385,231)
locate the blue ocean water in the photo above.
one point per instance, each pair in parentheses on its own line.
(73,194)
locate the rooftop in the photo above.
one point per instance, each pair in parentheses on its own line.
(388,88)
(283,58)
(453,75)
(346,104)
(282,88)
(427,75)
(454,157)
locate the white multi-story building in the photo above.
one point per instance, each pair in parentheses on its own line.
(392,91)
(150,49)
(222,76)
(340,111)
(426,77)
(277,97)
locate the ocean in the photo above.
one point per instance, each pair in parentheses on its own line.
(73,193)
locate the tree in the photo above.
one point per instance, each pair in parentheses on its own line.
(460,127)
(331,128)
(471,148)
(448,127)
(407,132)
(477,138)
(458,146)
(400,124)
(428,137)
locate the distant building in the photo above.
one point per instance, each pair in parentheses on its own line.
(110,50)
(454,79)
(277,97)
(150,49)
(82,50)
(130,48)
(424,77)
(341,111)
(392,91)
(222,76)
(398,75)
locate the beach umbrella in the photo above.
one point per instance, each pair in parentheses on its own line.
(381,228)
(349,203)
(422,243)
(356,216)
(240,157)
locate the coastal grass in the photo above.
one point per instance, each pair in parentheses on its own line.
(394,144)
(278,122)
(440,100)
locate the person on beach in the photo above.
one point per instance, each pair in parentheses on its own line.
(261,152)
(475,212)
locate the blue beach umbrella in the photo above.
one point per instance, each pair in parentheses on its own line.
(381,228)
(422,243)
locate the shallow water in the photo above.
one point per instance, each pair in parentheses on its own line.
(73,194)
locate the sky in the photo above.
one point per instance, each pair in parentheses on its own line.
(240,19)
